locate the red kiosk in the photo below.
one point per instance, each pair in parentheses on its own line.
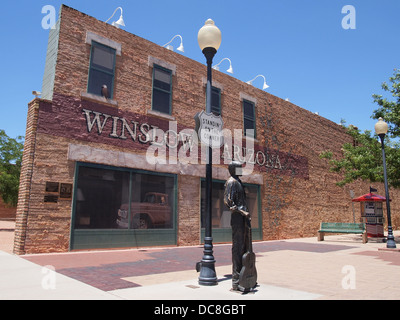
(372,213)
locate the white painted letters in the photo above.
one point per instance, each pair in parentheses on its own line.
(182,146)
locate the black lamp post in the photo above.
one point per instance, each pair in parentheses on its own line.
(209,38)
(381,128)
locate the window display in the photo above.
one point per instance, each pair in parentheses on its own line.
(117,199)
(221,216)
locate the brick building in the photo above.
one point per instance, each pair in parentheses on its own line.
(125,171)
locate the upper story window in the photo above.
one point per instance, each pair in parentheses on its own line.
(249,119)
(102,69)
(216,101)
(162,89)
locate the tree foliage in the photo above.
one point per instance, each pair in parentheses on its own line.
(390,110)
(362,159)
(10,167)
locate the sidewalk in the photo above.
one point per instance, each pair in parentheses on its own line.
(341,267)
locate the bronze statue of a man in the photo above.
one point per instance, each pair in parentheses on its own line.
(235,200)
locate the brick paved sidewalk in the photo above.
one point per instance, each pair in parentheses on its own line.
(341,267)
(299,264)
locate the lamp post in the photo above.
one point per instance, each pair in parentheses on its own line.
(381,128)
(209,38)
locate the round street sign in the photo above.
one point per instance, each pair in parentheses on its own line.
(209,129)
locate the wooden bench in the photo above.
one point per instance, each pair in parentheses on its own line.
(340,227)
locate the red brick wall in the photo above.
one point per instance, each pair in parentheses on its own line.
(6,211)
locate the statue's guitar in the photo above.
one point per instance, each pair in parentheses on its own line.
(248,274)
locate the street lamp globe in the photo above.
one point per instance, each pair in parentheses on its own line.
(209,36)
(381,127)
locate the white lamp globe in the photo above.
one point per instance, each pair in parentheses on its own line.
(381,127)
(209,36)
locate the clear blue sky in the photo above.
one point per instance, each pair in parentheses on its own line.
(299,46)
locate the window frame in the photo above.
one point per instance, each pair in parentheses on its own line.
(154,88)
(92,67)
(214,108)
(119,238)
(252,119)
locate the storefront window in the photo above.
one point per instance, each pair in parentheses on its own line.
(221,216)
(114,199)
(152,201)
(99,195)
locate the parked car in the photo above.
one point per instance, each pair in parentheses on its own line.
(153,212)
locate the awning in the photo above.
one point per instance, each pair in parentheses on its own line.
(369,197)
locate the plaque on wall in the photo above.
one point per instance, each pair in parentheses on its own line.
(66,191)
(52,186)
(50,198)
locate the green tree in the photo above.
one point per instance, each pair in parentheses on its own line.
(362,159)
(10,167)
(390,110)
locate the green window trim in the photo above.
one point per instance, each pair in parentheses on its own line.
(163,88)
(249,118)
(216,95)
(92,86)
